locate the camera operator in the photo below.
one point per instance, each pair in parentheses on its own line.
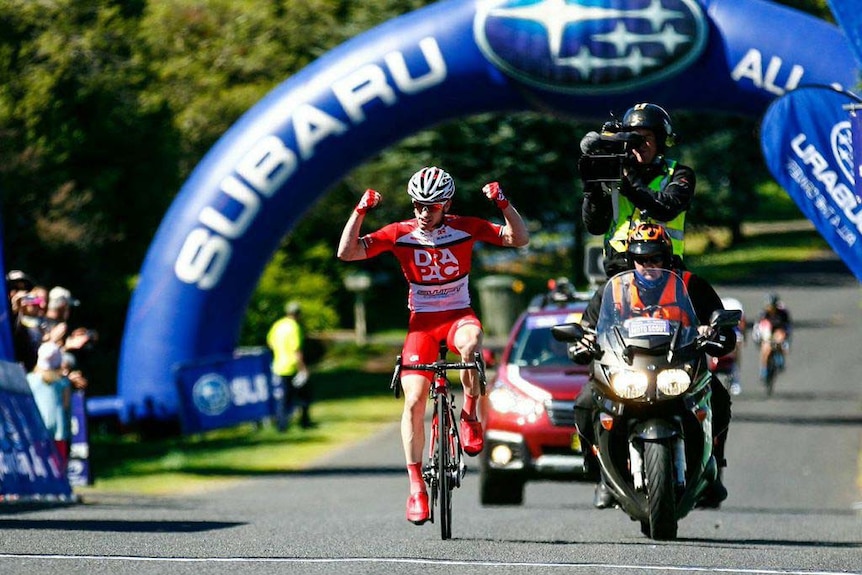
(628,180)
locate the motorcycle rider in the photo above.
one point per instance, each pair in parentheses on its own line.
(649,247)
(652,188)
(773,325)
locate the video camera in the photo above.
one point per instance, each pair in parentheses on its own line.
(605,154)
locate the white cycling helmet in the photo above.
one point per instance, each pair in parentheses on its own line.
(431,185)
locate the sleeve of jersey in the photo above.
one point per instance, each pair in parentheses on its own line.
(484,231)
(379,241)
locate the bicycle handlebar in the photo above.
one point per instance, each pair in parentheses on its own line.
(441,365)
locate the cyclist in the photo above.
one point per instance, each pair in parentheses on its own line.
(773,325)
(434,249)
(653,188)
(650,247)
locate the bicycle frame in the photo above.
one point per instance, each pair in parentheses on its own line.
(445,467)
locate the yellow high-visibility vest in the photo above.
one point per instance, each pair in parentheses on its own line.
(627,216)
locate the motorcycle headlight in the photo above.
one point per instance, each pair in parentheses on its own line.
(673,381)
(629,384)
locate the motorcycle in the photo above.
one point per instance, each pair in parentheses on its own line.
(651,389)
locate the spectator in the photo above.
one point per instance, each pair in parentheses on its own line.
(32,308)
(286,339)
(69,369)
(17,281)
(53,396)
(18,285)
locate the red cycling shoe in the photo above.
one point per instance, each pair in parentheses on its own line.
(417,508)
(471,436)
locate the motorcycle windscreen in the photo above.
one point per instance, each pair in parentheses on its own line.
(646,310)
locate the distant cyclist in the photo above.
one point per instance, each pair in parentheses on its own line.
(773,325)
(435,250)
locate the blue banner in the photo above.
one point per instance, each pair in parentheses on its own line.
(31,469)
(856,126)
(78,469)
(849,17)
(223,391)
(575,58)
(808,145)
(7,348)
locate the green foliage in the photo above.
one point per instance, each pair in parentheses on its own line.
(281,284)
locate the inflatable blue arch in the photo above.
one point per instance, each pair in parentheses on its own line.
(578,58)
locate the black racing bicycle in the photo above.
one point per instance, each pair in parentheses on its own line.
(445,467)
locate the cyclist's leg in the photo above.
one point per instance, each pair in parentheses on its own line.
(416,389)
(765,348)
(418,348)
(465,336)
(780,339)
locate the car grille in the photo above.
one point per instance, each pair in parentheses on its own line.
(561,413)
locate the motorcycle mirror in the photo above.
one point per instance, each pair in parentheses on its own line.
(567,332)
(725,318)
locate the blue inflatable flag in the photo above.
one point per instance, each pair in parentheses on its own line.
(807,141)
(849,17)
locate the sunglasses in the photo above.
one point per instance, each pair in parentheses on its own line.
(432,208)
(649,261)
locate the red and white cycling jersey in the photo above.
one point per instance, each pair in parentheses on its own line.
(436,264)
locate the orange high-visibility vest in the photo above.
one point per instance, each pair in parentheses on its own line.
(667,300)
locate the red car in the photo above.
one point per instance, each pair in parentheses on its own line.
(528,411)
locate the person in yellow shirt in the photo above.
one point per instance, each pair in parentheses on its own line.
(286,339)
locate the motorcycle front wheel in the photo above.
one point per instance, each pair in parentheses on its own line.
(658,464)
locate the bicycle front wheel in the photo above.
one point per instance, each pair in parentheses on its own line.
(444,451)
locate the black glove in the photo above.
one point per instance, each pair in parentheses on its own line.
(582,352)
(591,143)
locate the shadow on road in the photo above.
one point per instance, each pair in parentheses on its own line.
(830,272)
(116,526)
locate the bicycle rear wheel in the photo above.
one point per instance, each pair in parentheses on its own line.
(444,483)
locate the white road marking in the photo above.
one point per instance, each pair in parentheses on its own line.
(395,560)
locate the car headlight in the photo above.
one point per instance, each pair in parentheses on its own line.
(504,400)
(629,384)
(673,381)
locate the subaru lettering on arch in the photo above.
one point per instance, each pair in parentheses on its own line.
(591,46)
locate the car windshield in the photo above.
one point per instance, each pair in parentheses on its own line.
(646,313)
(535,346)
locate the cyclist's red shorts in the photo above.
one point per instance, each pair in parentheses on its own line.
(425,332)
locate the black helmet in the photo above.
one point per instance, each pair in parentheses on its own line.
(651,117)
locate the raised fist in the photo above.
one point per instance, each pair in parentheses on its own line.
(369,200)
(494,192)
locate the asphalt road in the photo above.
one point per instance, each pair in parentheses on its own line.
(793,505)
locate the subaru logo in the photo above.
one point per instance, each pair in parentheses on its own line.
(591,46)
(842,149)
(211,394)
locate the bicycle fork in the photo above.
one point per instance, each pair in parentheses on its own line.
(430,470)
